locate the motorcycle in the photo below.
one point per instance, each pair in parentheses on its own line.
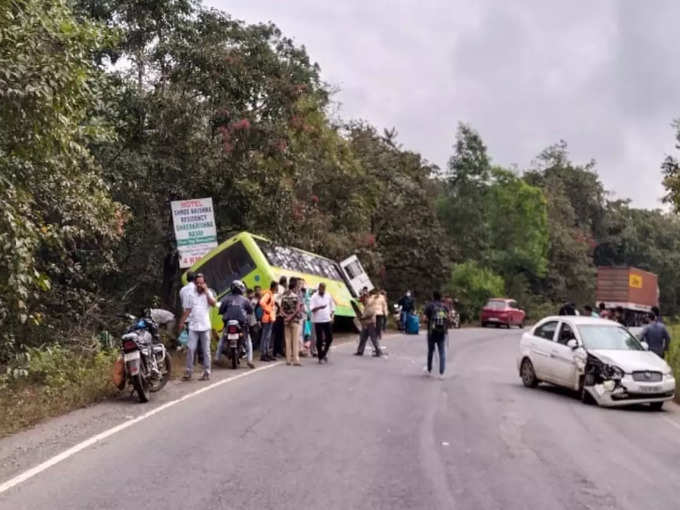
(235,342)
(146,362)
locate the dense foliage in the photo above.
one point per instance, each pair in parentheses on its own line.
(111,109)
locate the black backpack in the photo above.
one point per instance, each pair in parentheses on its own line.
(440,319)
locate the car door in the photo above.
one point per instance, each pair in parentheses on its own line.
(541,347)
(514,313)
(562,361)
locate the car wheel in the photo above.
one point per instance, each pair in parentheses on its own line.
(528,374)
(656,406)
(521,324)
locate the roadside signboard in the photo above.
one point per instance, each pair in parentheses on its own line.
(195,229)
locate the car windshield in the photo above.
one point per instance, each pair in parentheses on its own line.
(613,338)
(495,305)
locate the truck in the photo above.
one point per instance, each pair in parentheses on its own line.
(633,289)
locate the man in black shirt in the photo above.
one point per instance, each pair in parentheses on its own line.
(407,306)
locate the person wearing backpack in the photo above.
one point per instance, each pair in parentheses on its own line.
(437,326)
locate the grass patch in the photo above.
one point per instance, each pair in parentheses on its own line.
(673,357)
(49,381)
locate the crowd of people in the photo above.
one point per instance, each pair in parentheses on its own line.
(288,320)
(293,321)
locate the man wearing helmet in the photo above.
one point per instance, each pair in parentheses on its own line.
(236,307)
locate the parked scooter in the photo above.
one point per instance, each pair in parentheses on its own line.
(146,363)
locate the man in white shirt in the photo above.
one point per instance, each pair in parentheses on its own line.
(323,310)
(197,311)
(184,294)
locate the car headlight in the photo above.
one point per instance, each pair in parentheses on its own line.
(668,375)
(615,372)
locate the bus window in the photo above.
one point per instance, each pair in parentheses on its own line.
(299,261)
(354,269)
(232,263)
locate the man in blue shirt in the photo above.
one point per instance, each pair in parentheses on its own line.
(656,335)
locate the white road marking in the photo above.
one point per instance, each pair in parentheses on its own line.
(672,422)
(107,433)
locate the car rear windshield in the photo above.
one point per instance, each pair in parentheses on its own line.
(613,338)
(496,305)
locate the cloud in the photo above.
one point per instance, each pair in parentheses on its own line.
(525,74)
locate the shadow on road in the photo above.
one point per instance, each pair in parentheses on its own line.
(545,390)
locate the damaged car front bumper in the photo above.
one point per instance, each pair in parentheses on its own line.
(627,391)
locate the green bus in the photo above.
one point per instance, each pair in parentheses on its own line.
(257,261)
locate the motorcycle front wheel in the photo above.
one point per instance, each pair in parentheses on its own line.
(141,387)
(166,369)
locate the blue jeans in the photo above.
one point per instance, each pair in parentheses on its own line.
(194,338)
(440,342)
(266,341)
(404,319)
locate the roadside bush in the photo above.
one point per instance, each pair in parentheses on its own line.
(673,355)
(48,381)
(537,310)
(473,285)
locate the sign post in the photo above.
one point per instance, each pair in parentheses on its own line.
(195,230)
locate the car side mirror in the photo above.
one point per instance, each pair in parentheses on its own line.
(645,345)
(572,344)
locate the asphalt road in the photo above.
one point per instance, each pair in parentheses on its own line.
(365,433)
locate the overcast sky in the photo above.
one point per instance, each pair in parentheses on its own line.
(603,75)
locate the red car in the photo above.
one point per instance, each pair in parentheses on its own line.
(501,311)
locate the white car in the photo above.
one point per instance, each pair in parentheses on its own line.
(598,358)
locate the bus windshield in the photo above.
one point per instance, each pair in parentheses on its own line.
(299,261)
(232,263)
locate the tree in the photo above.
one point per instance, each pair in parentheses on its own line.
(57,220)
(214,112)
(518,226)
(461,206)
(404,233)
(576,211)
(671,173)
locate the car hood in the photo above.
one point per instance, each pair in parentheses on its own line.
(630,361)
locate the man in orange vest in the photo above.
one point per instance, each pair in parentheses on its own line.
(268,305)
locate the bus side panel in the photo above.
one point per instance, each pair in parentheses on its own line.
(337,289)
